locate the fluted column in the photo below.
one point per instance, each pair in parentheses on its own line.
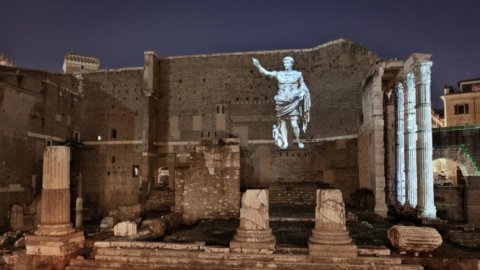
(410,143)
(426,205)
(400,153)
(55,216)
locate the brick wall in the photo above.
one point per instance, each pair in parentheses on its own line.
(473,200)
(450,203)
(35,107)
(210,186)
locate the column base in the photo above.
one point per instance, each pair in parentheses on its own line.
(331,244)
(65,245)
(54,230)
(332,250)
(254,241)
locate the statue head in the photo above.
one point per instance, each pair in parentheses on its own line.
(288,62)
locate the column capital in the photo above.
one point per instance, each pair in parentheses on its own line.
(399,88)
(423,72)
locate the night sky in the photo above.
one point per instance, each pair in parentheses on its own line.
(37,34)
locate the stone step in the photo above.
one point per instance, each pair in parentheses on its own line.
(108,264)
(226,264)
(149,255)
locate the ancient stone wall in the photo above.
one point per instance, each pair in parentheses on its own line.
(450,203)
(112,132)
(36,108)
(208,96)
(473,200)
(210,186)
(371,152)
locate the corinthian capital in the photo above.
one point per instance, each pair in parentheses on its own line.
(423,72)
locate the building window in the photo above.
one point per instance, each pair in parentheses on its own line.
(76,136)
(99,138)
(461,109)
(113,159)
(135,170)
(113,133)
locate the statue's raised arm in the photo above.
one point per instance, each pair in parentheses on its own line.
(262,70)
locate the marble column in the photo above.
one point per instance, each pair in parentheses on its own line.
(55,216)
(410,143)
(400,183)
(426,204)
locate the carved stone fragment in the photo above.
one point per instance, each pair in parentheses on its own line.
(412,238)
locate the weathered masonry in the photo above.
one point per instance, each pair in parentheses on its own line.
(130,129)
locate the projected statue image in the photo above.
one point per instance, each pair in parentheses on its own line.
(292,102)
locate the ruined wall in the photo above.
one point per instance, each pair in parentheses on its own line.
(112,134)
(467,137)
(473,200)
(210,186)
(371,154)
(450,203)
(209,96)
(36,107)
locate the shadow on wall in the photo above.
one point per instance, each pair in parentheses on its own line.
(362,198)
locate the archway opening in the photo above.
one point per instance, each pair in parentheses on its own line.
(448,172)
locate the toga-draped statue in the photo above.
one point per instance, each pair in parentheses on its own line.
(292,102)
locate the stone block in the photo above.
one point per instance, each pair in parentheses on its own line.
(373,251)
(3,239)
(216,249)
(415,239)
(10,259)
(125,229)
(16,218)
(107,223)
(20,243)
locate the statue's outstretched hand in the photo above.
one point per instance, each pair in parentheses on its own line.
(255,62)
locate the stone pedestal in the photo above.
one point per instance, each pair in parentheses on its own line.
(254,234)
(55,235)
(330,236)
